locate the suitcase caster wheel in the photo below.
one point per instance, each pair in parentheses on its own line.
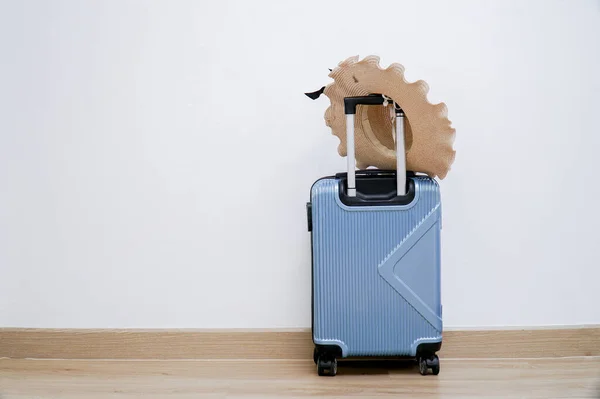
(327,366)
(426,363)
(422,366)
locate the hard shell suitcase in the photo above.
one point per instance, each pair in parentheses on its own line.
(375,239)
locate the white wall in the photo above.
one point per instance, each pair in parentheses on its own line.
(136,191)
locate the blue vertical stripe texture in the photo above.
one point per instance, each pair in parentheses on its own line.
(354,306)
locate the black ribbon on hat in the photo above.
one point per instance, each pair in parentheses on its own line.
(316,94)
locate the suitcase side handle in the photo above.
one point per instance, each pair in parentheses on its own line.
(350,104)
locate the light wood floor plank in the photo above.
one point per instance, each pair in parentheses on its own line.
(502,378)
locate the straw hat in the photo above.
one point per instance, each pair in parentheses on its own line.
(428,133)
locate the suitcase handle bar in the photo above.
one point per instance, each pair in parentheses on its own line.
(350,104)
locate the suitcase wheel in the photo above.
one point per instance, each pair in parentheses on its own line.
(327,366)
(431,362)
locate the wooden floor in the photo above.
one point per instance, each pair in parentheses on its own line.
(507,378)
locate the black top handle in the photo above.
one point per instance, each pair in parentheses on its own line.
(350,103)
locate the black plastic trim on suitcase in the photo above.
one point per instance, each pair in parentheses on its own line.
(376,188)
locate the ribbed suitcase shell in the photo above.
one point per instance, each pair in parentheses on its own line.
(376,272)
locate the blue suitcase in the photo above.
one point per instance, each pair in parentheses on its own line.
(375,239)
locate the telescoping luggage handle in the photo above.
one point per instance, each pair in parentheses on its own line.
(350,104)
